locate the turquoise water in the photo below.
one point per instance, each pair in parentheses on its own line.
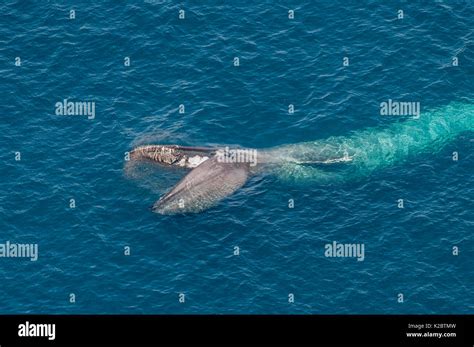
(191,62)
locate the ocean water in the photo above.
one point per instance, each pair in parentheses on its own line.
(190,61)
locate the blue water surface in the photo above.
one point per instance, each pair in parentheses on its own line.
(190,61)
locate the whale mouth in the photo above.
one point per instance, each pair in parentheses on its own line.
(210,182)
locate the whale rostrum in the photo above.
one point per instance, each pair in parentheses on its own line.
(181,156)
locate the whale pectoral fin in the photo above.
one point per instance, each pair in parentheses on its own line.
(203,187)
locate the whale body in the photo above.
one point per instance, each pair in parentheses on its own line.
(357,155)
